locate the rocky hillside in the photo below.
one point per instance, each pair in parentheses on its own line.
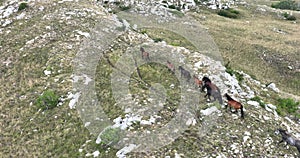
(63,61)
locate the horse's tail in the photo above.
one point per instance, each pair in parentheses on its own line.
(242,111)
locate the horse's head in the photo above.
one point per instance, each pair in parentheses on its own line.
(280,131)
(142,49)
(225,95)
(206,79)
(180,67)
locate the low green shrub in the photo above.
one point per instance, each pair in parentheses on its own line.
(143,31)
(288,16)
(286,4)
(229,13)
(48,100)
(124,8)
(172,6)
(22,6)
(157,40)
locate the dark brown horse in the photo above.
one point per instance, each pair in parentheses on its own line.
(212,90)
(145,55)
(289,139)
(171,67)
(234,104)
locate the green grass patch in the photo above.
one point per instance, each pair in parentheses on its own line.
(287,106)
(48,100)
(111,136)
(239,76)
(258,99)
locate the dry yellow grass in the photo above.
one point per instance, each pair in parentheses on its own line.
(260,44)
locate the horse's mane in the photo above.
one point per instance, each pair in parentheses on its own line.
(228,97)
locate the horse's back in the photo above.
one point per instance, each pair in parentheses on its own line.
(235,104)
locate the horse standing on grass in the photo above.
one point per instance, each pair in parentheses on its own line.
(289,139)
(212,90)
(234,104)
(145,55)
(185,73)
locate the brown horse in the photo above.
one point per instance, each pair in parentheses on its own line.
(171,67)
(197,81)
(212,90)
(145,55)
(234,104)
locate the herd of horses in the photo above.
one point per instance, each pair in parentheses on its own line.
(213,91)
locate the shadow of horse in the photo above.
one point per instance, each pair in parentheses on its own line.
(289,139)
(184,73)
(234,104)
(212,90)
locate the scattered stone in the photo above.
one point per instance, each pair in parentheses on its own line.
(273,87)
(74,99)
(47,72)
(209,111)
(271,106)
(254,103)
(122,153)
(191,121)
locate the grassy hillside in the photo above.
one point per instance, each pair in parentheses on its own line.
(51,33)
(258,43)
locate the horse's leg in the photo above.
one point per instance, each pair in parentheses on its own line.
(280,141)
(208,97)
(214,99)
(235,111)
(188,77)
